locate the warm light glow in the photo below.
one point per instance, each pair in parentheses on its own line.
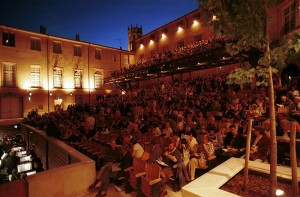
(71,93)
(195,23)
(107,91)
(68,83)
(25,85)
(30,93)
(179,29)
(58,101)
(151,42)
(123,92)
(50,93)
(163,36)
(141,46)
(29,98)
(279,192)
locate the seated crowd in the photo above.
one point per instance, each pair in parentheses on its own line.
(181,126)
(168,55)
(15,161)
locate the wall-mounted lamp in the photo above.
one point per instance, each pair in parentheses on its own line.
(179,26)
(50,93)
(30,93)
(71,93)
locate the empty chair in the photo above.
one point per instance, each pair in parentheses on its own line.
(151,182)
(136,172)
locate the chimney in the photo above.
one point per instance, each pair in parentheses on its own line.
(42,29)
(77,37)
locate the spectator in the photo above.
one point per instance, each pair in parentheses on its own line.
(260,145)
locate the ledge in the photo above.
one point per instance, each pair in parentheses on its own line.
(209,183)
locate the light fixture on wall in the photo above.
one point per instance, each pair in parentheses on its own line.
(180,26)
(50,93)
(71,93)
(30,93)
(196,19)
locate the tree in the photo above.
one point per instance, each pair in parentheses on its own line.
(245,24)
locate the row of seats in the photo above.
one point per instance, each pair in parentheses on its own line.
(145,178)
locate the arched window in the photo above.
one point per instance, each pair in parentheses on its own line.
(98,79)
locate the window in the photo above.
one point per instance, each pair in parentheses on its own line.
(35,44)
(98,79)
(57,77)
(8,39)
(180,43)
(290,18)
(98,54)
(77,51)
(35,76)
(57,47)
(78,78)
(9,75)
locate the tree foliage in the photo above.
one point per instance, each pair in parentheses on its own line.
(244,24)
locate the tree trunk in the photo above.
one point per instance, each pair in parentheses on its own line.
(273,140)
(293,160)
(247,155)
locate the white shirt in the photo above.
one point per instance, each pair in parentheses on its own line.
(139,150)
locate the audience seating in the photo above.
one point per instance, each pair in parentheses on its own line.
(151,182)
(135,174)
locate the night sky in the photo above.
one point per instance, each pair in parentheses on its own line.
(103,22)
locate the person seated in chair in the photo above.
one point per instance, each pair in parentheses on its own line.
(260,145)
(234,143)
(156,150)
(112,159)
(175,166)
(199,157)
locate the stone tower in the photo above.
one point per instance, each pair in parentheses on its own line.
(133,34)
